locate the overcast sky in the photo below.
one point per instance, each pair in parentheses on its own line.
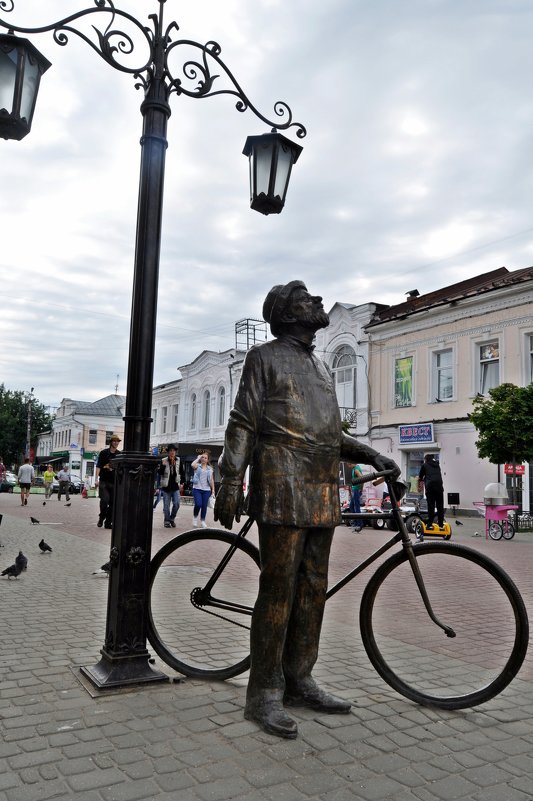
(417,171)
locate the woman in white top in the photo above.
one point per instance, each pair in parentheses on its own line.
(203,487)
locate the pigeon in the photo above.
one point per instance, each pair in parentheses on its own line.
(34,521)
(67,504)
(44,547)
(21,561)
(12,570)
(458,523)
(44,503)
(105,569)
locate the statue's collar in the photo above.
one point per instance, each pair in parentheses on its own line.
(298,342)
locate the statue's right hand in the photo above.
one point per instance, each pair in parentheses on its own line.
(228,504)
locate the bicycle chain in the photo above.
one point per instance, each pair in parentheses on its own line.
(215,614)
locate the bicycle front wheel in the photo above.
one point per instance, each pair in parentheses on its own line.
(469,593)
(201,630)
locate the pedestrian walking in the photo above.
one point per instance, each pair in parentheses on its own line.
(169,474)
(25,476)
(48,478)
(64,483)
(105,481)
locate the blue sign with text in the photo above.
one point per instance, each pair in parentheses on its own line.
(421,432)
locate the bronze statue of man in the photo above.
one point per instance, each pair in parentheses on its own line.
(286,425)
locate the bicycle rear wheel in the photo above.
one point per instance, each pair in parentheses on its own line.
(468,592)
(198,632)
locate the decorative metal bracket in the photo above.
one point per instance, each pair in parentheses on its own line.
(117,47)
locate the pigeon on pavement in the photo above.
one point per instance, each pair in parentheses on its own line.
(12,570)
(34,521)
(21,561)
(67,504)
(44,547)
(458,523)
(104,570)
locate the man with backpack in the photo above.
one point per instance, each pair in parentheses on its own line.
(430,478)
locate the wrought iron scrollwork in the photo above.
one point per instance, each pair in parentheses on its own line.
(205,80)
(194,77)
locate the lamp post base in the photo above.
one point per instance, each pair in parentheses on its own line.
(122,671)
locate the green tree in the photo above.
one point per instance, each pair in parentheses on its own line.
(14,421)
(504,422)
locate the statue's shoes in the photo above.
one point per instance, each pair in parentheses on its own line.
(273,719)
(308,693)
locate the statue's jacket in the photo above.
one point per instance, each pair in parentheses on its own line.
(286,425)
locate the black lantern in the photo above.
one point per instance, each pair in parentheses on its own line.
(271,158)
(21,67)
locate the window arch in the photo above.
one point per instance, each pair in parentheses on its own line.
(207,409)
(221,406)
(193,410)
(344,374)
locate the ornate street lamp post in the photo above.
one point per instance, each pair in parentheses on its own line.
(124,657)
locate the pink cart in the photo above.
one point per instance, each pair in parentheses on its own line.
(497,523)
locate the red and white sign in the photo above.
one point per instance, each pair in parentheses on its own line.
(519,469)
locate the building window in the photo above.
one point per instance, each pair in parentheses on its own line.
(221,419)
(108,435)
(530,359)
(403,382)
(443,374)
(344,375)
(175,409)
(489,366)
(164,415)
(93,433)
(154,421)
(207,408)
(193,411)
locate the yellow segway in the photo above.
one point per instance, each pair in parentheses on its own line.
(417,526)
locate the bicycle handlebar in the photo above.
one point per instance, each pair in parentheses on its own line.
(373,476)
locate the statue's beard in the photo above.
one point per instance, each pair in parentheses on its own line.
(315,319)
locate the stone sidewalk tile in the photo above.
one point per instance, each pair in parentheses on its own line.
(189,741)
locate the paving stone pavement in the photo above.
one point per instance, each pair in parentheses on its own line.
(188,740)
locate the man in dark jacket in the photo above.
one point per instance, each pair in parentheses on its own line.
(286,424)
(105,481)
(430,477)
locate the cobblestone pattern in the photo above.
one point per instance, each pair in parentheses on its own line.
(188,740)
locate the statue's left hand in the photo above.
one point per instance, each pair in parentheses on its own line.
(384,463)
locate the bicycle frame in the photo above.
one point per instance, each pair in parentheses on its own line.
(204,596)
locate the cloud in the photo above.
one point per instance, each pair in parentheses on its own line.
(415,172)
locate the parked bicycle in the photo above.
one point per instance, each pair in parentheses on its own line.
(442,624)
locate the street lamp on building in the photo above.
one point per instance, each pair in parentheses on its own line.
(124,657)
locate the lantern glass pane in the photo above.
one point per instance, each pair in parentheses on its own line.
(263,164)
(8,74)
(283,170)
(29,89)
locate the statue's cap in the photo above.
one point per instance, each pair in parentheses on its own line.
(276,301)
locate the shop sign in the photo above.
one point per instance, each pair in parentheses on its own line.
(414,434)
(519,469)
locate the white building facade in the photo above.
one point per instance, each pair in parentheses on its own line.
(431,356)
(80,430)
